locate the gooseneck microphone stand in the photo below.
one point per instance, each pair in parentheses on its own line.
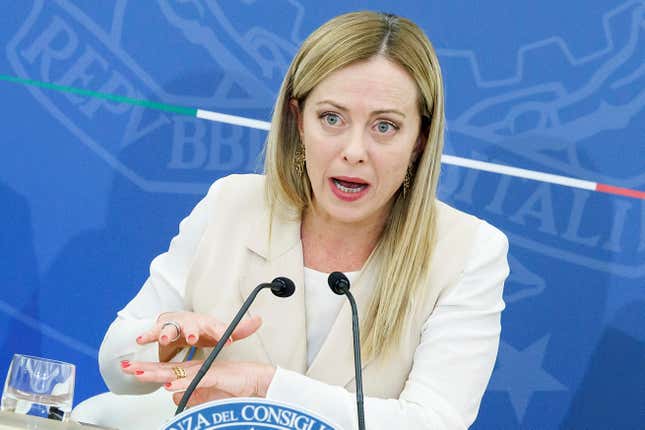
(281,287)
(339,284)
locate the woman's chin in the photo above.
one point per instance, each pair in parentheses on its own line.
(343,213)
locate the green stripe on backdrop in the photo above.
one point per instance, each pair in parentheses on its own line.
(112,97)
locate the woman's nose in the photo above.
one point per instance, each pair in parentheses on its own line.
(355,150)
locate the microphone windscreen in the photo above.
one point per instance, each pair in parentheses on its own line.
(338,282)
(282,287)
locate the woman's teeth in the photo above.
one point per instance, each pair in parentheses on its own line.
(348,187)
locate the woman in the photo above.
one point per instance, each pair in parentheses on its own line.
(351,169)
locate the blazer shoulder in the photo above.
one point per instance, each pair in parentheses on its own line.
(452,221)
(237,194)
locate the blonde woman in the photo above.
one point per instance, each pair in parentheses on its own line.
(351,168)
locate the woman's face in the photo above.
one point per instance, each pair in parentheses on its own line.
(360,128)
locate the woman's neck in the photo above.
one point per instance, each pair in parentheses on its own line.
(329,245)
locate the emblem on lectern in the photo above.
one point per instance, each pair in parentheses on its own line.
(248,414)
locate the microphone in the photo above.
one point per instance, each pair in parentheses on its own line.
(339,284)
(281,287)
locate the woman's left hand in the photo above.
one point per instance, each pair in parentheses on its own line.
(223,380)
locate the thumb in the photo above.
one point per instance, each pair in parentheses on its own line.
(247,327)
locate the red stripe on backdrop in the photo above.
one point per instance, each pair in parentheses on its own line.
(620,191)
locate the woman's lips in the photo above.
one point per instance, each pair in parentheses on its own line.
(348,189)
(351,179)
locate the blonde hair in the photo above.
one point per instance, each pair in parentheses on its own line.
(406,243)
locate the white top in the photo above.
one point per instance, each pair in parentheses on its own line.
(450,399)
(321,309)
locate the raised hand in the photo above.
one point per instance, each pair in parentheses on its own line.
(176,330)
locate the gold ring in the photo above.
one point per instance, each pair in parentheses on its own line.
(179,372)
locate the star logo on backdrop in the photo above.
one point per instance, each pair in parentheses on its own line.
(520,373)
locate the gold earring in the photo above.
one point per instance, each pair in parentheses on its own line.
(407,181)
(300,159)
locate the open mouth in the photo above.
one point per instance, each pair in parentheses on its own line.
(349,186)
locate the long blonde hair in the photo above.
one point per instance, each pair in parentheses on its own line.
(406,243)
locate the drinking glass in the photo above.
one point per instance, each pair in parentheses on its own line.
(39,386)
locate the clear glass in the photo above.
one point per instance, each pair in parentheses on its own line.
(39,386)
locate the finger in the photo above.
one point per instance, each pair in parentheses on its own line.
(191,330)
(210,380)
(213,328)
(149,336)
(173,383)
(164,373)
(135,367)
(169,334)
(247,327)
(150,371)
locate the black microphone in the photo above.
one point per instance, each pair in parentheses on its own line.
(339,284)
(281,287)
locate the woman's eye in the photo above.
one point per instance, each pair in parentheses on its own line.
(331,119)
(384,127)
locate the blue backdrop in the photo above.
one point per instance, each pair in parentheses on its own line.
(91,190)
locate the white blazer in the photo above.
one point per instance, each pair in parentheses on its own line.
(230,243)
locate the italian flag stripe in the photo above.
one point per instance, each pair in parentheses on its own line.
(264,125)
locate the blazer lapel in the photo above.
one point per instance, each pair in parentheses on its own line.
(334,363)
(275,250)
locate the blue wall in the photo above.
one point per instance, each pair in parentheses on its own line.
(91,191)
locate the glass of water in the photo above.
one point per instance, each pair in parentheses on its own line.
(39,386)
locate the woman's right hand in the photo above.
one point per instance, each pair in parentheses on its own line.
(194,330)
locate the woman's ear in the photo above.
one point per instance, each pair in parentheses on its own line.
(422,138)
(294,106)
(420,144)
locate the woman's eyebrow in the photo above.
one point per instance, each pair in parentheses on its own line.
(394,111)
(334,104)
(376,112)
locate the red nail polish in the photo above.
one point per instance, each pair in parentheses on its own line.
(139,339)
(164,338)
(167,385)
(125,363)
(138,372)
